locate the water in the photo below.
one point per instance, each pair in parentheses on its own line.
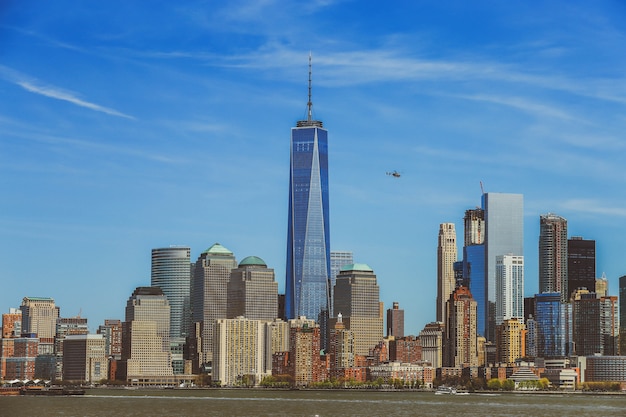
(188,403)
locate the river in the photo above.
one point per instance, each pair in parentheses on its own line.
(242,402)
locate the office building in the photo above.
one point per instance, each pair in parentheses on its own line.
(474,263)
(446,257)
(308,228)
(357,298)
(211,274)
(509,288)
(171,271)
(84,358)
(395,321)
(252,291)
(460,349)
(554,326)
(338,259)
(594,324)
(146,357)
(553,255)
(581,264)
(239,352)
(504,234)
(39,316)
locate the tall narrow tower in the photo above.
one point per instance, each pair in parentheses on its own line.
(308,241)
(446,257)
(553,255)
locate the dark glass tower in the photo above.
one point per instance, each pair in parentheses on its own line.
(581,264)
(308,242)
(474,263)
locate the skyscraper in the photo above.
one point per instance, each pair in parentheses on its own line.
(553,255)
(554,326)
(39,316)
(446,257)
(460,348)
(504,234)
(145,337)
(211,274)
(357,298)
(509,288)
(474,263)
(171,271)
(622,315)
(338,259)
(308,228)
(252,291)
(581,264)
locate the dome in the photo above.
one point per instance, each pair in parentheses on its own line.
(252,260)
(218,249)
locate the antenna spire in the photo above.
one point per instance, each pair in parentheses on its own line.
(310,103)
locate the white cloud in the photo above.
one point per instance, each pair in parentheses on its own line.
(593,207)
(33,86)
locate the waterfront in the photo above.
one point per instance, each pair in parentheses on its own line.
(188,403)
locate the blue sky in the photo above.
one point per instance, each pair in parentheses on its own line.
(127,126)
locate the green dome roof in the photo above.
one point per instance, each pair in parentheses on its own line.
(218,249)
(252,260)
(356,267)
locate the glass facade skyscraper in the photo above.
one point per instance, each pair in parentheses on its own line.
(474,263)
(504,234)
(554,325)
(171,271)
(308,229)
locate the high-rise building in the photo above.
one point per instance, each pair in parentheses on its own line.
(39,316)
(239,357)
(84,358)
(395,321)
(146,356)
(509,288)
(446,257)
(357,298)
(308,227)
(459,349)
(504,234)
(341,348)
(112,332)
(338,259)
(553,255)
(252,291)
(510,341)
(474,263)
(594,324)
(622,315)
(304,364)
(554,326)
(581,264)
(66,326)
(406,349)
(431,338)
(211,274)
(171,271)
(602,286)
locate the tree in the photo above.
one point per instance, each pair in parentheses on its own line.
(494,384)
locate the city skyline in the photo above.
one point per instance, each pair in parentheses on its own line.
(126,128)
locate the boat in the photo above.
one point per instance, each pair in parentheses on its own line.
(443,390)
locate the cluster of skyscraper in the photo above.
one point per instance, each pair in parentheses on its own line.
(481,297)
(225,318)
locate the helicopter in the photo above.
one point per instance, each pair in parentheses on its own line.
(394,174)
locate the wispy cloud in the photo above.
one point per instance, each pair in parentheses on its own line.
(523,104)
(37,87)
(593,207)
